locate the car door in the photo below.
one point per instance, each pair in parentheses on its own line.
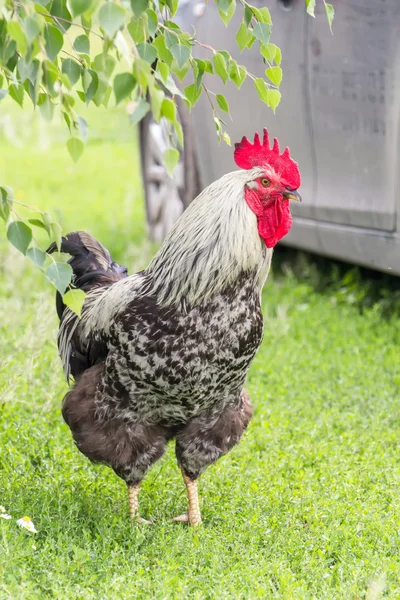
(249,114)
(353,88)
(339,112)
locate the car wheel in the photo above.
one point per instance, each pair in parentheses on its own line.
(166,197)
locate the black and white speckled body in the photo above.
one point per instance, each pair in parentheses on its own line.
(166,366)
(165,353)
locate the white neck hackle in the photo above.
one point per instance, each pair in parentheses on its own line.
(211,245)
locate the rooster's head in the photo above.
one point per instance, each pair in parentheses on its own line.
(275,182)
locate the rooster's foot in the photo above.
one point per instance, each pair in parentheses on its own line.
(192,516)
(182,518)
(145,521)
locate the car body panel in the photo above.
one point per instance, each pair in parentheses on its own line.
(339,115)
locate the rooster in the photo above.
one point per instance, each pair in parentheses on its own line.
(164,354)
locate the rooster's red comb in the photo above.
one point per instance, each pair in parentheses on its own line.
(248,155)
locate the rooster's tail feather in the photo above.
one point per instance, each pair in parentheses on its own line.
(91,263)
(93,268)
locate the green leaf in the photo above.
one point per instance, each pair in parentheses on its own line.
(163,69)
(181,53)
(227,16)
(218,127)
(3,94)
(179,133)
(37,256)
(171,38)
(268,51)
(262,31)
(204,65)
(59,9)
(60,275)
(47,221)
(237,74)
(90,84)
(173,88)
(82,44)
(83,127)
(123,86)
(35,78)
(53,41)
(17,34)
(67,119)
(180,72)
(153,21)
(5,201)
(111,18)
(37,223)
(226,138)
(147,52)
(68,102)
(173,6)
(20,235)
(330,13)
(262,89)
(24,69)
(50,75)
(168,109)
(75,299)
(220,66)
(140,110)
(274,97)
(40,6)
(32,28)
(138,29)
(243,36)
(104,63)
(143,74)
(224,5)
(157,98)
(75,148)
(17,93)
(57,233)
(46,107)
(192,93)
(278,56)
(222,102)
(310,6)
(248,15)
(78,7)
(262,14)
(139,6)
(171,159)
(72,69)
(9,53)
(275,75)
(163,52)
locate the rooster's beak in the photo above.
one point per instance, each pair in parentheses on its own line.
(292,195)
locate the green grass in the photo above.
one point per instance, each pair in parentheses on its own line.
(307,506)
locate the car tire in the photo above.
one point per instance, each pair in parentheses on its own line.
(165,197)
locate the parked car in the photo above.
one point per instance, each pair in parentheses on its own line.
(339,114)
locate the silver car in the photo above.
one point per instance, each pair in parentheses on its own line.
(339,115)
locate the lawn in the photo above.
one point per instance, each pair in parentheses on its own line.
(307,506)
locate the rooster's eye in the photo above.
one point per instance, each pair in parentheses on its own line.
(265,182)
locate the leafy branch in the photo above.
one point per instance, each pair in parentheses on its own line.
(143,59)
(20,233)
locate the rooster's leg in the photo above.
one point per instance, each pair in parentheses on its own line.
(133,498)
(193,515)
